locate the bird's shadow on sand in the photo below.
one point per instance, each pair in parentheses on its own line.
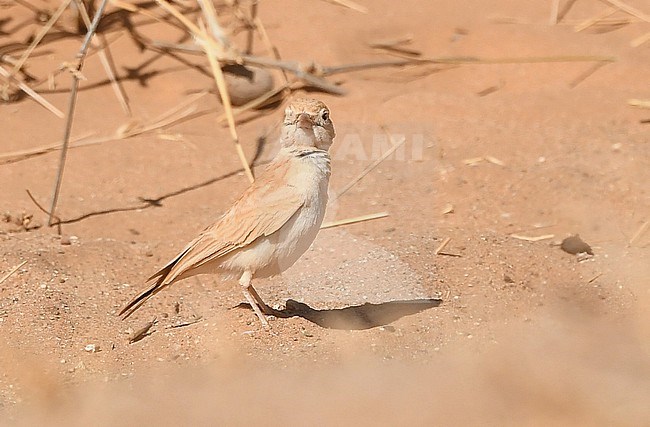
(356,317)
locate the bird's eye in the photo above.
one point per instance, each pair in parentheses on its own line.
(325,115)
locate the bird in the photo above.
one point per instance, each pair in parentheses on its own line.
(272,223)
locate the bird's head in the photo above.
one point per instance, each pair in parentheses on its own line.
(307,123)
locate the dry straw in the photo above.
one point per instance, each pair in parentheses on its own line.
(11,272)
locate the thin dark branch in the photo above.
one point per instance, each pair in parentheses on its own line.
(71,106)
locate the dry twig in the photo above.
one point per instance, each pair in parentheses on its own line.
(106,58)
(641,103)
(442,245)
(593,20)
(639,232)
(555,9)
(12,271)
(630,10)
(640,40)
(593,279)
(532,238)
(354,220)
(168,118)
(562,13)
(350,5)
(71,106)
(588,72)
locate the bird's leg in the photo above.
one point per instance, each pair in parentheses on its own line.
(245,282)
(260,303)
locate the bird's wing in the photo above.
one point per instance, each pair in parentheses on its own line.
(261,211)
(238,229)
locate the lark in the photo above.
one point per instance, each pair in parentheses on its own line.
(272,223)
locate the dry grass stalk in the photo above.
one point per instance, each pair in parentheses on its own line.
(200,34)
(396,45)
(168,118)
(15,156)
(354,220)
(32,94)
(588,72)
(555,10)
(593,20)
(593,279)
(350,5)
(442,246)
(562,13)
(488,90)
(608,23)
(640,40)
(494,161)
(639,232)
(210,16)
(473,161)
(532,238)
(447,209)
(641,103)
(490,159)
(370,167)
(106,59)
(630,10)
(11,272)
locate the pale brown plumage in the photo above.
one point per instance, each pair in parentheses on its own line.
(273,222)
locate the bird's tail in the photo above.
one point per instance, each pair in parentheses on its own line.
(152,290)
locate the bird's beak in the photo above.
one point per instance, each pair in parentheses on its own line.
(303,121)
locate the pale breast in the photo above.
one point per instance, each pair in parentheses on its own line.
(310,175)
